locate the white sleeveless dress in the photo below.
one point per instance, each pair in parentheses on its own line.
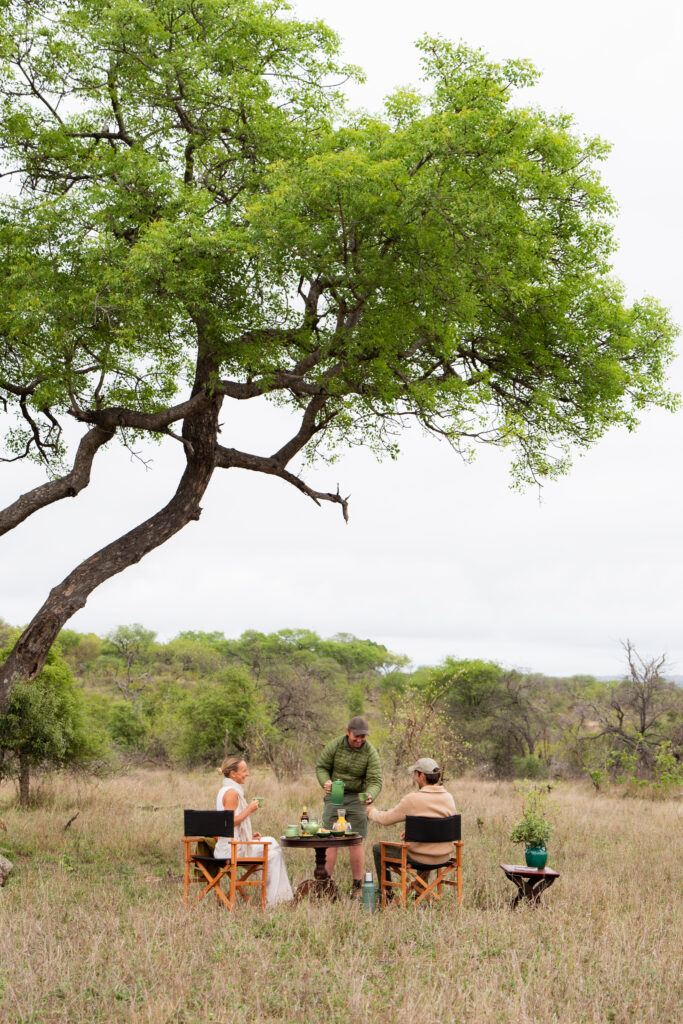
(278,888)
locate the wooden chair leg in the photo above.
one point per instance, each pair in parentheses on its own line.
(264,877)
(186,880)
(233,874)
(458,868)
(383,888)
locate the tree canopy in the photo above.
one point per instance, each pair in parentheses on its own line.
(194,218)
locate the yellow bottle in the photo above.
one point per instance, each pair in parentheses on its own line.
(340,823)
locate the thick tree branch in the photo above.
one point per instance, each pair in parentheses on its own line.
(67,486)
(283,381)
(199,430)
(231,458)
(118,416)
(309,427)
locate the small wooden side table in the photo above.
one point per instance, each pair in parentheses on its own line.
(530,882)
(321,885)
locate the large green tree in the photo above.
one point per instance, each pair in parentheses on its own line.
(199,221)
(44,723)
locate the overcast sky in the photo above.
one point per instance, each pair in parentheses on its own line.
(439,558)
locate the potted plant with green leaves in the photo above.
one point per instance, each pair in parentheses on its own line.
(533,828)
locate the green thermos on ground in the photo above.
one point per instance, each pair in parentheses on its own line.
(368,892)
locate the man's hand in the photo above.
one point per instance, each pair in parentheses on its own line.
(328,786)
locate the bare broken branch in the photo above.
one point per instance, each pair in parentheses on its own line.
(231,458)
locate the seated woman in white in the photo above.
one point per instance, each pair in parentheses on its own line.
(231,798)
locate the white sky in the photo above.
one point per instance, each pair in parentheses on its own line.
(439,558)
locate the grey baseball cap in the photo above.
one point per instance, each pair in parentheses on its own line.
(359,726)
(426,765)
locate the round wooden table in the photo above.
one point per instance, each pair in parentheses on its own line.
(321,886)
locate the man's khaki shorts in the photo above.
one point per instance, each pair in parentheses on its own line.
(355,813)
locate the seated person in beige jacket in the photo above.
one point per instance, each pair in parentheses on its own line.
(430,800)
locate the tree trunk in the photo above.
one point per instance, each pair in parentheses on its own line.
(24,780)
(200,431)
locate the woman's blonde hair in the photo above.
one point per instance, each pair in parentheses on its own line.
(230,764)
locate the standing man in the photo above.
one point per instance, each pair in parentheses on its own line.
(354,760)
(430,800)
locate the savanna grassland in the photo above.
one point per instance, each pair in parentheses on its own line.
(93,928)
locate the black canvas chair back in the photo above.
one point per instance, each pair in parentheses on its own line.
(433,830)
(209,823)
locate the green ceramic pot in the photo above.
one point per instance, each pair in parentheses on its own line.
(536,856)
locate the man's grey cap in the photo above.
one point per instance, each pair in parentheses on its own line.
(359,726)
(426,765)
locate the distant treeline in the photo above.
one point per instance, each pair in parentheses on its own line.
(278,697)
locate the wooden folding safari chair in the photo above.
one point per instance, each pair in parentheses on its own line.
(413,877)
(202,825)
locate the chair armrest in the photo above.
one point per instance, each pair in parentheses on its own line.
(394,842)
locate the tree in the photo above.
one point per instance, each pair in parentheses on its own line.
(44,723)
(299,680)
(503,714)
(200,723)
(199,220)
(631,720)
(416,725)
(128,644)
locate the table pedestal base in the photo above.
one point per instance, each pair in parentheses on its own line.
(321,886)
(317,888)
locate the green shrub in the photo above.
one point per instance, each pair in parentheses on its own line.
(529,767)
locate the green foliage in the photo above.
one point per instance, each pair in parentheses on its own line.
(416,726)
(530,767)
(127,727)
(623,768)
(488,228)
(533,828)
(354,701)
(178,176)
(634,725)
(281,695)
(80,650)
(195,725)
(668,768)
(45,724)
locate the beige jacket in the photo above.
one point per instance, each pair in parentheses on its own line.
(428,802)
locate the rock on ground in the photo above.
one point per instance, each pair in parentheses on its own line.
(5,868)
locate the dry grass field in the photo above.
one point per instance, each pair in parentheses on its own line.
(93,928)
